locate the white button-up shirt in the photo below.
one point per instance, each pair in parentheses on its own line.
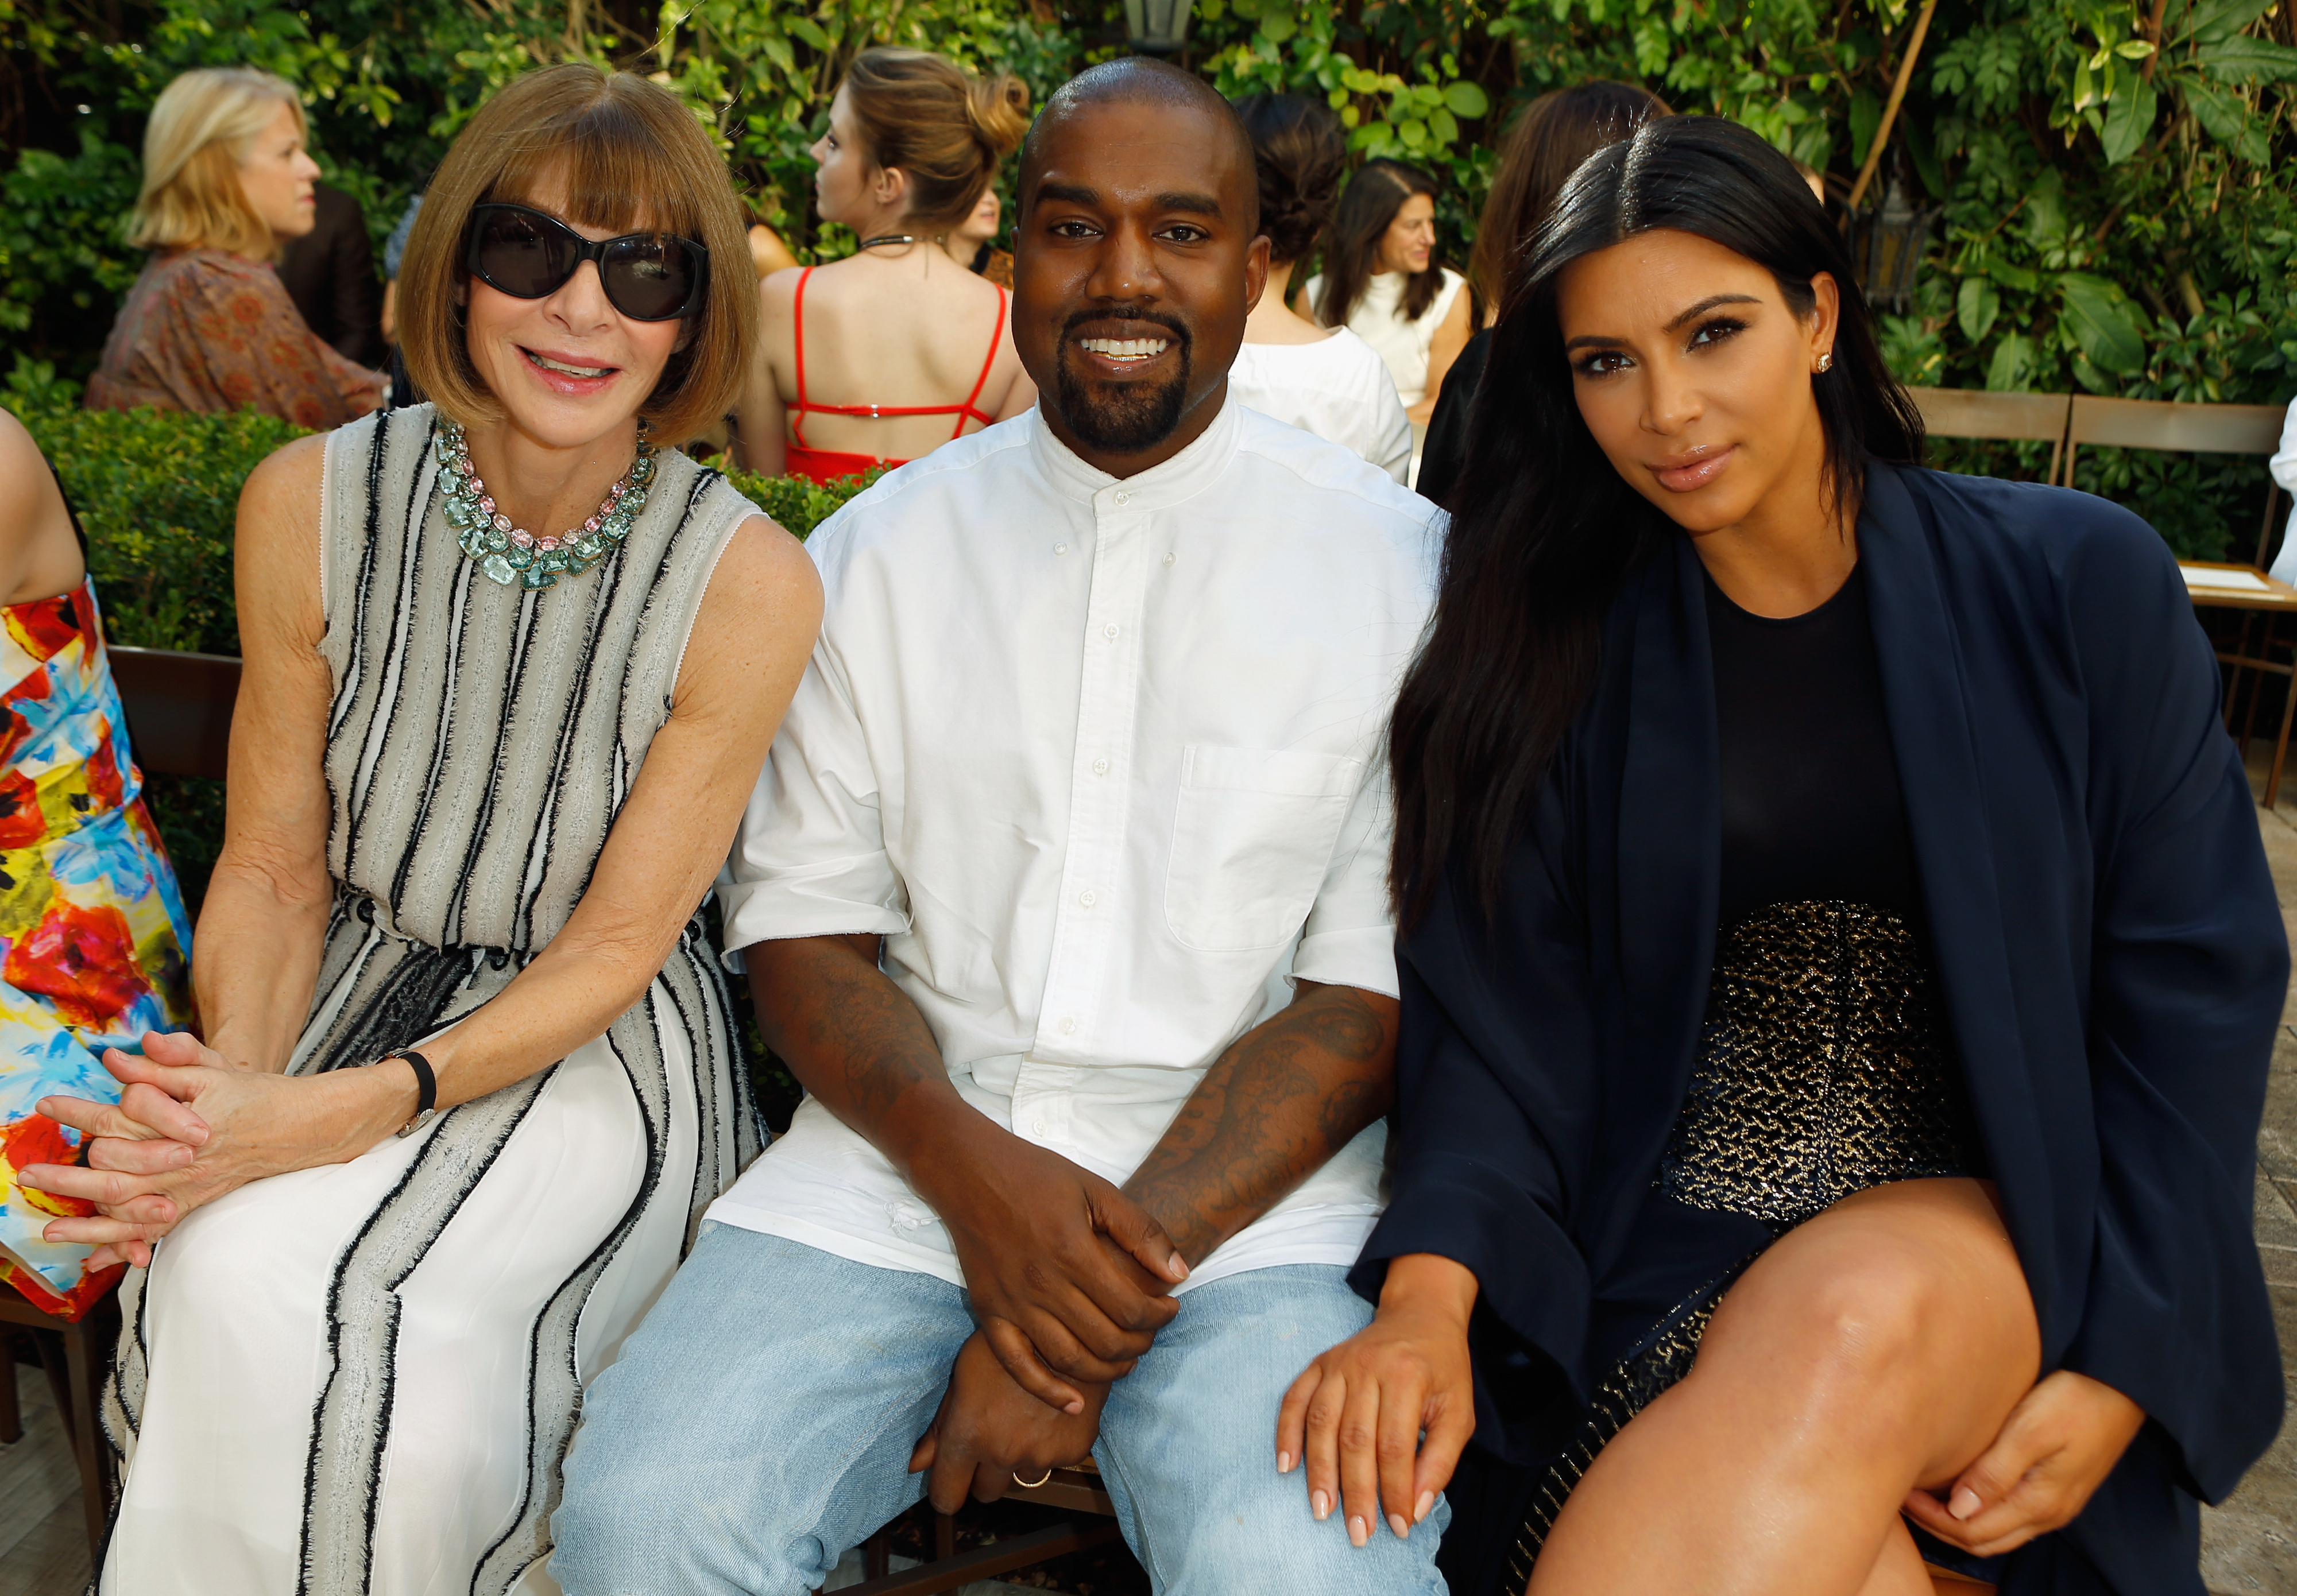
(1102,761)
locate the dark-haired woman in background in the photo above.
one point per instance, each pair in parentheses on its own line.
(1323,379)
(1556,132)
(1837,949)
(1382,279)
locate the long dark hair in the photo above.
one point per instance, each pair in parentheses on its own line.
(1367,207)
(1543,533)
(1299,151)
(1556,132)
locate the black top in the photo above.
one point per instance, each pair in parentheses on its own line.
(1446,447)
(1812,812)
(329,274)
(2105,945)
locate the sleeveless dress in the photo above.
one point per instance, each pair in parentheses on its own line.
(93,938)
(362,1377)
(826,465)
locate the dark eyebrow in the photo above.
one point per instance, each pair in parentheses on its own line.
(1193,203)
(1705,305)
(1188,201)
(1073,193)
(1600,341)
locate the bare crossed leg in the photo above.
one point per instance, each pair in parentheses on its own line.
(1874,1350)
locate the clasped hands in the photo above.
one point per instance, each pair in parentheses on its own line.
(190,1126)
(1069,1279)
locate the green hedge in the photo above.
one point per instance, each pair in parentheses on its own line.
(158,494)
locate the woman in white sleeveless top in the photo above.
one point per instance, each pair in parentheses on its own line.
(1382,280)
(511,674)
(1323,379)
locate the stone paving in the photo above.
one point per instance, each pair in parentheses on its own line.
(2250,1544)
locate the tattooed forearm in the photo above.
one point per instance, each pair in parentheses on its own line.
(850,1035)
(1271,1111)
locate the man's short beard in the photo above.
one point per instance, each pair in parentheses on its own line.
(1122,420)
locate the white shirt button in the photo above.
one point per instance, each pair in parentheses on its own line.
(1101,767)
(1170,558)
(1069,1025)
(1036,1127)
(1123,496)
(1109,631)
(1088,898)
(1062,548)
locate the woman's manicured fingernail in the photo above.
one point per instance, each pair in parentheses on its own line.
(1359,1533)
(1320,1504)
(1423,1507)
(1403,1530)
(1283,1462)
(1966,1503)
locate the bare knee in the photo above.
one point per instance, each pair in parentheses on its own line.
(1901,1313)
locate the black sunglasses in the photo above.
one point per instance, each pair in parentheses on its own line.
(529,254)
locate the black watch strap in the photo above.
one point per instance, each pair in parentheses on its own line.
(427,1089)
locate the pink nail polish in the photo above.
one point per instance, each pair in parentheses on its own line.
(1320,1504)
(1358,1535)
(1283,1462)
(1966,1503)
(1403,1530)
(1423,1507)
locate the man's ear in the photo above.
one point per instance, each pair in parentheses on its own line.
(1255,272)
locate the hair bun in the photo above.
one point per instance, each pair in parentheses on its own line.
(999,108)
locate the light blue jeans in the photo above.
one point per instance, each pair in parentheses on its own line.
(759,1422)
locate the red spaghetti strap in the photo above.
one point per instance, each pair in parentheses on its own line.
(797,323)
(967,411)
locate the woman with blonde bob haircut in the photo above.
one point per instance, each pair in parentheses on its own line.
(469,1078)
(208,327)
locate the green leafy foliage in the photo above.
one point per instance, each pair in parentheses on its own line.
(158,494)
(798,504)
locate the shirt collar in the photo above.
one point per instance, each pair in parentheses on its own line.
(1183,475)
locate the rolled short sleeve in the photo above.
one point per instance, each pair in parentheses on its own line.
(1349,937)
(809,858)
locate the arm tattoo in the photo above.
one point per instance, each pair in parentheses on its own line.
(1290,1093)
(850,1035)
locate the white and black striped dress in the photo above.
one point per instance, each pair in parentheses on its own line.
(363,1378)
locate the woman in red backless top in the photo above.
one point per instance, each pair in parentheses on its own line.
(878,358)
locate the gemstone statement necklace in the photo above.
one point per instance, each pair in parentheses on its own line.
(514,556)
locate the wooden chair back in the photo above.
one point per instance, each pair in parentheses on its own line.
(178,708)
(2179,428)
(2014,417)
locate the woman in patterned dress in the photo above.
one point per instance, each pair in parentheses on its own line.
(481,779)
(93,933)
(208,327)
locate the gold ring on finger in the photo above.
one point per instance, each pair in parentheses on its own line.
(1031,1485)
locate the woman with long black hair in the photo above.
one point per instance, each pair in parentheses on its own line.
(1840,969)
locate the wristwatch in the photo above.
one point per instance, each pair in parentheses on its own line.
(426,1089)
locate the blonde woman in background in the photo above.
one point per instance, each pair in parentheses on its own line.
(878,358)
(208,327)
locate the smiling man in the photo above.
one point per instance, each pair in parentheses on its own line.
(1064,895)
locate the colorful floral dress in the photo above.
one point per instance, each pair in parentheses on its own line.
(93,938)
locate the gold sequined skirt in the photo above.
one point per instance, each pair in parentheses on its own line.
(1825,1067)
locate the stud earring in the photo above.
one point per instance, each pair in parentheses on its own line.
(1826,361)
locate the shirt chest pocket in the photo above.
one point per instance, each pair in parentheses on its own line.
(1252,838)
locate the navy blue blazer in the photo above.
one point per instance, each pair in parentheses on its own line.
(2106,939)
